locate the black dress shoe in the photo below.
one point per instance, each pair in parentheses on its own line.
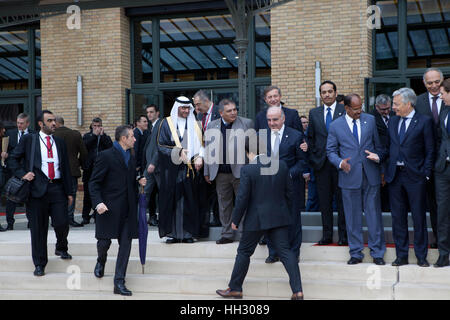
(172,240)
(400,262)
(10,227)
(122,290)
(85,221)
(39,271)
(189,240)
(99,270)
(354,260)
(272,259)
(433,245)
(379,261)
(75,224)
(28,225)
(423,263)
(324,242)
(442,262)
(342,243)
(153,221)
(63,254)
(224,241)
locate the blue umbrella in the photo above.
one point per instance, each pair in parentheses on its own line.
(143,227)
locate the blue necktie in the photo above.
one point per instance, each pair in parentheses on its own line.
(401,134)
(328,119)
(355,131)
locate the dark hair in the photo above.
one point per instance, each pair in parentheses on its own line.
(348,99)
(40,117)
(328,82)
(304,117)
(97,120)
(2,126)
(340,98)
(446,85)
(140,117)
(270,88)
(122,131)
(152,106)
(225,102)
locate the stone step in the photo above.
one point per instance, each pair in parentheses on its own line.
(199,285)
(422,291)
(318,270)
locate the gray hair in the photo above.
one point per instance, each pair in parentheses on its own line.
(202,95)
(276,108)
(407,94)
(59,120)
(433,69)
(382,99)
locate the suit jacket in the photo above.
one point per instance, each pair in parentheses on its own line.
(423,106)
(214,115)
(114,184)
(76,149)
(94,145)
(382,127)
(141,138)
(233,141)
(266,200)
(341,144)
(20,158)
(444,142)
(13,136)
(290,152)
(292,119)
(417,148)
(150,151)
(317,135)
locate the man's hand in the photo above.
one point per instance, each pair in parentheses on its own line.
(69,200)
(29,176)
(143,182)
(198,163)
(304,146)
(183,155)
(151,168)
(372,156)
(233,226)
(207,180)
(101,208)
(4,155)
(345,165)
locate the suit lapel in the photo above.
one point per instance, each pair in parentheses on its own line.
(411,126)
(363,125)
(321,119)
(338,111)
(394,123)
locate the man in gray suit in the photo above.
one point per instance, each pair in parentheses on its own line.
(354,148)
(219,166)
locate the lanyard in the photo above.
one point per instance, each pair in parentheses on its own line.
(207,118)
(45,144)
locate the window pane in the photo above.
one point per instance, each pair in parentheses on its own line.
(37,44)
(143,68)
(262,45)
(386,38)
(428,33)
(197,48)
(13,60)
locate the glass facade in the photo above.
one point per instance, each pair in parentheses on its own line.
(14,61)
(386,51)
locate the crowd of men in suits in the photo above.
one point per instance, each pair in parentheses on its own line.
(395,159)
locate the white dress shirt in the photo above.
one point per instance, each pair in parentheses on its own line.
(325,111)
(438,102)
(446,123)
(44,155)
(273,136)
(19,136)
(350,125)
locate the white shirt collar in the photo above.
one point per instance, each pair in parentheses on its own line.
(430,96)
(333,106)
(44,136)
(411,114)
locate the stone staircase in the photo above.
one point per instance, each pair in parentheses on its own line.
(195,271)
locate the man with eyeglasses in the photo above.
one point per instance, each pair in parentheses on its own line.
(430,103)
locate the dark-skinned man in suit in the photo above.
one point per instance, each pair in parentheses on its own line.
(411,159)
(442,175)
(114,196)
(326,174)
(51,188)
(265,196)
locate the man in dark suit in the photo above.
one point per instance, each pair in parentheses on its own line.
(222,169)
(326,174)
(354,148)
(266,199)
(114,196)
(284,143)
(23,123)
(383,113)
(207,111)
(431,104)
(51,188)
(95,141)
(77,154)
(140,133)
(272,97)
(411,158)
(442,175)
(150,162)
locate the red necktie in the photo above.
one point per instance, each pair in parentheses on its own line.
(51,168)
(203,120)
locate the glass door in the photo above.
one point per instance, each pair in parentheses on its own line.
(10,109)
(379,85)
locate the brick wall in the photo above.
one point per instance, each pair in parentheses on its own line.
(100,53)
(332,32)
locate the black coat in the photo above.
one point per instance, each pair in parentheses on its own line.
(423,106)
(266,199)
(94,145)
(115,185)
(40,181)
(317,135)
(444,142)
